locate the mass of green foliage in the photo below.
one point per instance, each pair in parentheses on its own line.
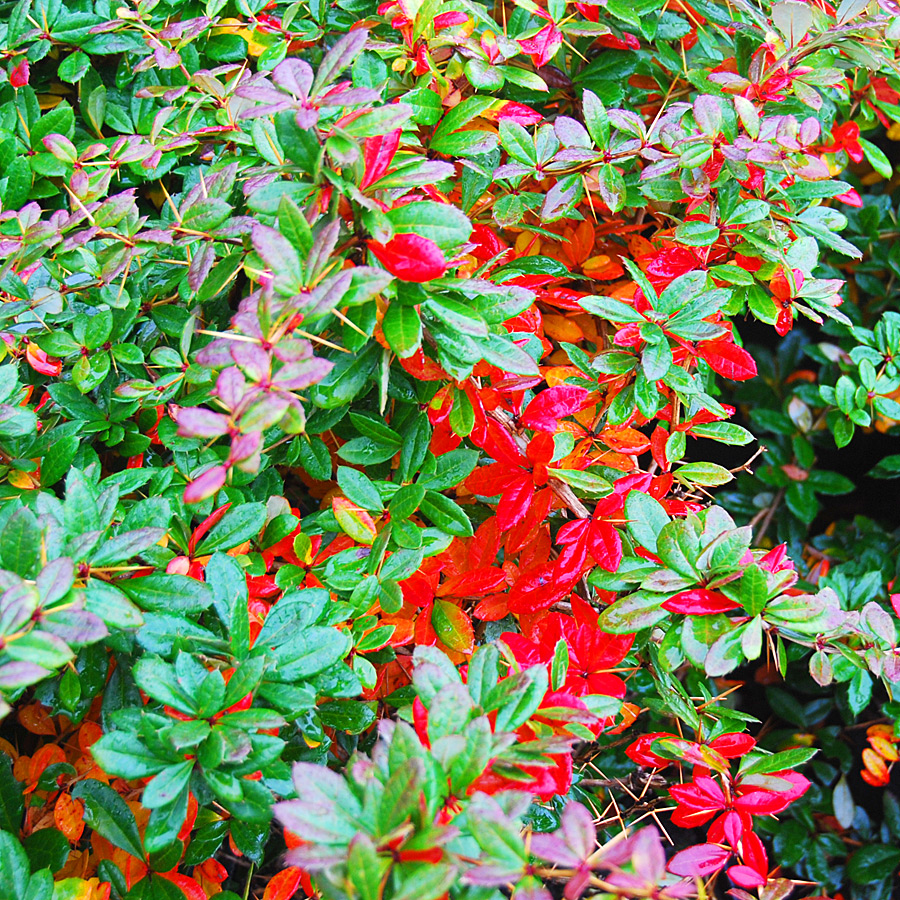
(446,449)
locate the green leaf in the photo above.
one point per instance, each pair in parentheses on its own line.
(696,234)
(778,762)
(877,158)
(12,803)
(15,869)
(703,473)
(612,310)
(646,518)
(872,863)
(108,814)
(359,488)
(240,523)
(586,481)
(402,327)
(446,515)
(168,593)
(634,612)
(228,583)
(444,224)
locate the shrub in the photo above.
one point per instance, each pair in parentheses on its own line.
(369,375)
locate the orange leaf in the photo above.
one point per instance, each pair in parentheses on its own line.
(36,719)
(283,885)
(884,748)
(68,814)
(46,756)
(875,766)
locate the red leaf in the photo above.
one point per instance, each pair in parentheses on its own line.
(745,877)
(640,752)
(410,257)
(515,502)
(519,112)
(699,861)
(18,74)
(449,19)
(543,46)
(493,479)
(378,153)
(733,745)
(41,362)
(761,803)
(549,406)
(190,888)
(728,359)
(699,602)
(473,583)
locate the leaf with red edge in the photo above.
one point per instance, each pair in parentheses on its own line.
(699,861)
(692,753)
(552,404)
(699,602)
(354,521)
(453,626)
(201,530)
(410,257)
(188,886)
(378,152)
(728,359)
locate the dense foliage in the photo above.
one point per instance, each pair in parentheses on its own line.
(381,507)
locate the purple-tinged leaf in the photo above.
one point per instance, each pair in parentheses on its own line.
(17,605)
(201,265)
(244,446)
(197,422)
(571,133)
(699,861)
(55,580)
(339,57)
(294,76)
(207,484)
(61,147)
(279,255)
(264,412)
(76,627)
(578,830)
(124,547)
(322,249)
(231,386)
(708,114)
(296,376)
(554,848)
(648,856)
(19,674)
(252,359)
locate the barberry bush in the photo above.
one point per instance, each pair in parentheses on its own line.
(419,449)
